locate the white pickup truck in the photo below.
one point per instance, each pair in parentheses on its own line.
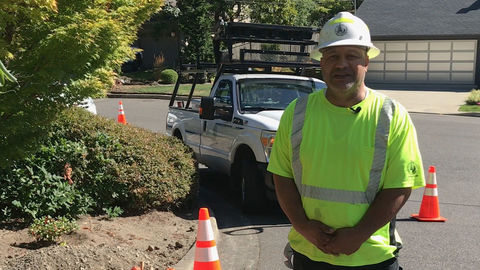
(235,130)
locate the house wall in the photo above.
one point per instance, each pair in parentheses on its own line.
(156,44)
(154,48)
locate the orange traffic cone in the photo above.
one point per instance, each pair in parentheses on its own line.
(206,255)
(429,209)
(121,114)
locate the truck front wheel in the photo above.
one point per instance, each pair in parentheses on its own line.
(253,198)
(177,134)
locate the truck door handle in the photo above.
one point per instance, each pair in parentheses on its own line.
(237,121)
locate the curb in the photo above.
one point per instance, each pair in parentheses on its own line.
(186,263)
(468,114)
(137,95)
(147,96)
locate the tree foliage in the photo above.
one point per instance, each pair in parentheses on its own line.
(196,23)
(327,9)
(297,12)
(164,22)
(61,52)
(199,19)
(281,12)
(304,9)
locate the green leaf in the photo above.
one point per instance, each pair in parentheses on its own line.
(17,204)
(2,78)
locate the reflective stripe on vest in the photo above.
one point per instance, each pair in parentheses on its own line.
(379,157)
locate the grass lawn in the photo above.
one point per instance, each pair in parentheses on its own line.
(469,108)
(141,75)
(184,89)
(147,76)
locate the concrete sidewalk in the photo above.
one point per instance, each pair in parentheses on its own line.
(439,102)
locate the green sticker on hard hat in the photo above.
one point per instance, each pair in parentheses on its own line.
(341,30)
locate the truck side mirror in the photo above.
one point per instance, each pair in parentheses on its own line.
(207,108)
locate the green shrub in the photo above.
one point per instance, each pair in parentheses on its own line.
(113,212)
(113,165)
(126,166)
(28,191)
(50,229)
(168,76)
(474,97)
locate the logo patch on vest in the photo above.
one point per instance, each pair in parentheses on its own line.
(412,168)
(340,30)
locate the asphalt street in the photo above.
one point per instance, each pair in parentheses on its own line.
(449,142)
(145,113)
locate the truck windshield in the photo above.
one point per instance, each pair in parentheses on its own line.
(271,94)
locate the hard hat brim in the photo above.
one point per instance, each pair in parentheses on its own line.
(316,53)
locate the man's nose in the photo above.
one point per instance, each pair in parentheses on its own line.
(341,62)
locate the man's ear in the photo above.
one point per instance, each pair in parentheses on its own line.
(367,61)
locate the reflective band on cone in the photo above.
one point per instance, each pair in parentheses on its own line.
(431,192)
(205,232)
(206,254)
(429,209)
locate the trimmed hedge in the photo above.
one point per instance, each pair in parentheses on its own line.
(113,165)
(168,76)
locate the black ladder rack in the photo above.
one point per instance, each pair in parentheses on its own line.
(251,60)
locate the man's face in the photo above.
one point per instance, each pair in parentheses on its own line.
(344,67)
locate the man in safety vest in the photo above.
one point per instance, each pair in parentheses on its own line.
(345,160)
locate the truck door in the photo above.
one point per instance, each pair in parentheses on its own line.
(218,134)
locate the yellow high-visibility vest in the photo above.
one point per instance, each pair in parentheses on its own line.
(340,159)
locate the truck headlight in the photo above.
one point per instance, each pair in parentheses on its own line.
(267,139)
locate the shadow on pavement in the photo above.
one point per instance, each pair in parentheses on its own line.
(225,203)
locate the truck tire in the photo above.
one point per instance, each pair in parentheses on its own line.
(177,134)
(253,198)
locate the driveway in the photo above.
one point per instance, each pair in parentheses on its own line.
(442,102)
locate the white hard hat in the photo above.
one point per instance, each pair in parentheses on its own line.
(344,29)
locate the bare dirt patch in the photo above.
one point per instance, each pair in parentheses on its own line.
(159,239)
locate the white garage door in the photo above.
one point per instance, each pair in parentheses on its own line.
(434,61)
